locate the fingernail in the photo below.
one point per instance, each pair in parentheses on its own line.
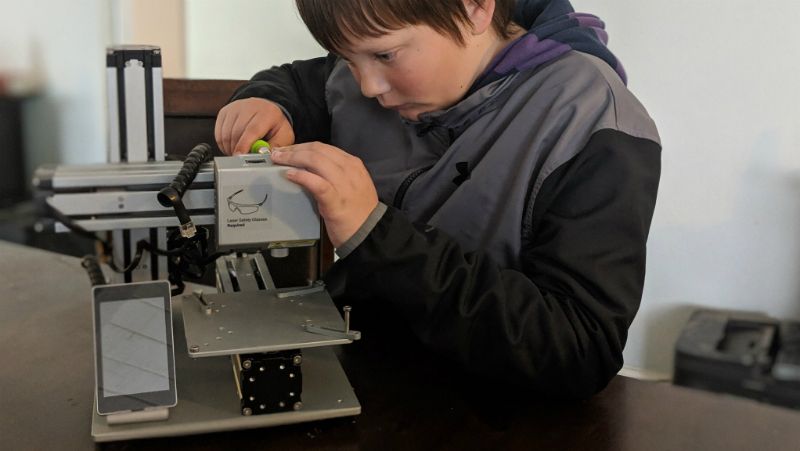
(291,172)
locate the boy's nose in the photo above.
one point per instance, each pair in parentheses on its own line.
(373,85)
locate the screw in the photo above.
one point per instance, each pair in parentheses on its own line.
(281,404)
(194,348)
(262,406)
(297,360)
(298,405)
(347,310)
(247,364)
(247,411)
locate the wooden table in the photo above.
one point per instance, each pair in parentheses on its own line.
(410,399)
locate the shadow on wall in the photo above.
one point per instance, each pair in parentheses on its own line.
(41,130)
(662,329)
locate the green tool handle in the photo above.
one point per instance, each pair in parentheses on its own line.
(260,146)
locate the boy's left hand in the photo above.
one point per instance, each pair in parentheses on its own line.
(338,181)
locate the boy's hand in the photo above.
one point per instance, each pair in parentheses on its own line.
(242,122)
(338,181)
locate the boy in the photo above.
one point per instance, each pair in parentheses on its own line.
(482,171)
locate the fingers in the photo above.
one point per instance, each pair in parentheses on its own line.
(242,122)
(218,127)
(339,182)
(283,136)
(322,190)
(243,134)
(304,153)
(317,158)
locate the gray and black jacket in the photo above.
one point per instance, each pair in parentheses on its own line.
(512,230)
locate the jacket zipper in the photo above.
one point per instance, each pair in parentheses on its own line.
(401,191)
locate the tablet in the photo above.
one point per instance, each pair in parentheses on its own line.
(133,346)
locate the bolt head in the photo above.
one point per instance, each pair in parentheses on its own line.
(247,411)
(297,360)
(247,364)
(298,405)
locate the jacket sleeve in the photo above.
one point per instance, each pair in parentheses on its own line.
(557,326)
(299,89)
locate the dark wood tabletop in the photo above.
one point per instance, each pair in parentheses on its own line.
(410,399)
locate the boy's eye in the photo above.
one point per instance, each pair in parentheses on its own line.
(385,57)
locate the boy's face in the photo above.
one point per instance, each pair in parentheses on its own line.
(413,70)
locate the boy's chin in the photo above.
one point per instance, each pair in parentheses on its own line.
(410,114)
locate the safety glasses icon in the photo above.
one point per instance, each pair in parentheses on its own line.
(245,209)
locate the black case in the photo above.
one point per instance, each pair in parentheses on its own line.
(742,353)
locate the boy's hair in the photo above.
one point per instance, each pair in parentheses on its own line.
(331,22)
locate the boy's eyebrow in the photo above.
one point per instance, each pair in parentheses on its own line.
(372,49)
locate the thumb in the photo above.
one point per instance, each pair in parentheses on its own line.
(283,136)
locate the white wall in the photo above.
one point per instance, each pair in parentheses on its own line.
(63,45)
(235,39)
(153,22)
(720,79)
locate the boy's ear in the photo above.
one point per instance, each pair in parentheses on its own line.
(480,14)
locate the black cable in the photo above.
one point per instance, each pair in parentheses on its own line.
(187,253)
(172,194)
(92,267)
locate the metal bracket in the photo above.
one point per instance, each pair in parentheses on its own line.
(316,287)
(349,335)
(346,333)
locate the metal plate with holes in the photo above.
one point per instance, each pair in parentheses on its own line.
(208,402)
(258,321)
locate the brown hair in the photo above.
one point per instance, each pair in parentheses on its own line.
(331,22)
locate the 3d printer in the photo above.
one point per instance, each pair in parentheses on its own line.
(278,340)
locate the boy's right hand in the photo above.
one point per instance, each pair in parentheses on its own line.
(242,122)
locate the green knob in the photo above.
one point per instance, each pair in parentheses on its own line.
(260,146)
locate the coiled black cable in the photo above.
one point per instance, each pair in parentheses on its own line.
(187,255)
(92,267)
(172,194)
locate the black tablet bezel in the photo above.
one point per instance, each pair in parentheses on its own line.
(138,401)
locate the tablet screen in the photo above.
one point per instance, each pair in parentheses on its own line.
(134,356)
(134,346)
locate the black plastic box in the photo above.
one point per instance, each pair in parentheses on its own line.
(741,353)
